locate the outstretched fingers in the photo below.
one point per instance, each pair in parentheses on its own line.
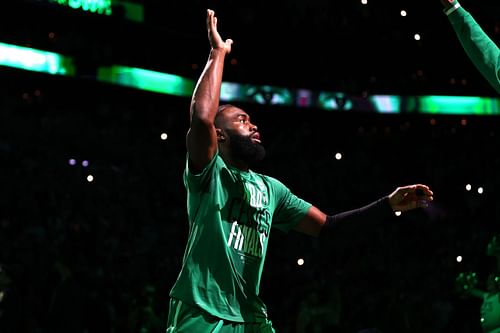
(210,16)
(410,197)
(213,35)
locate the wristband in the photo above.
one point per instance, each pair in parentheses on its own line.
(372,214)
(452,9)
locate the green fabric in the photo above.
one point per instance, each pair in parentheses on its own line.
(187,319)
(490,313)
(231,213)
(483,52)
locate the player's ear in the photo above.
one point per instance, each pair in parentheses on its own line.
(221,137)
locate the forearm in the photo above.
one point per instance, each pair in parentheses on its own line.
(370,215)
(205,100)
(482,51)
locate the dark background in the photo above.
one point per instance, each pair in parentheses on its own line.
(101,256)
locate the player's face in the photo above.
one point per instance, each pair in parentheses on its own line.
(243,137)
(238,122)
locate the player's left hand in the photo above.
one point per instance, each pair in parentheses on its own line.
(409,197)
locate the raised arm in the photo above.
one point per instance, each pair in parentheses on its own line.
(482,51)
(201,138)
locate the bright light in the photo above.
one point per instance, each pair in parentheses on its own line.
(90,178)
(164,136)
(85,163)
(480,190)
(102,7)
(364,2)
(397,213)
(338,156)
(403,12)
(459,258)
(300,262)
(71,161)
(35,60)
(468,187)
(145,79)
(417,36)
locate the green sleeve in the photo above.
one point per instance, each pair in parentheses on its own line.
(290,208)
(483,52)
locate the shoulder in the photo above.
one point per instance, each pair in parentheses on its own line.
(214,170)
(272,181)
(216,162)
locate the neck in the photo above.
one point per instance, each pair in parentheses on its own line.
(236,163)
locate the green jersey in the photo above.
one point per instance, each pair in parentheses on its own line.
(490,313)
(483,52)
(231,213)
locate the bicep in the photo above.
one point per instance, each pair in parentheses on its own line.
(201,143)
(312,222)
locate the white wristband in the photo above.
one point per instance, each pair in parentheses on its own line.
(452,9)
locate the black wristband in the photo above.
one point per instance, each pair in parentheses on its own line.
(370,215)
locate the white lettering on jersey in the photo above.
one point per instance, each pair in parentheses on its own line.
(249,239)
(236,232)
(246,239)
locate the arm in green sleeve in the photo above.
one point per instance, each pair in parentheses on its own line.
(483,52)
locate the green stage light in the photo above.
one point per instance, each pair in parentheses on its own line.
(53,63)
(460,105)
(146,80)
(102,7)
(131,10)
(35,60)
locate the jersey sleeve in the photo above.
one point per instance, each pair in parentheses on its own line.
(290,209)
(195,182)
(482,51)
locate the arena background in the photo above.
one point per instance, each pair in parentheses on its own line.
(92,207)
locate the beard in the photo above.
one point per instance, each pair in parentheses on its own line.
(244,149)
